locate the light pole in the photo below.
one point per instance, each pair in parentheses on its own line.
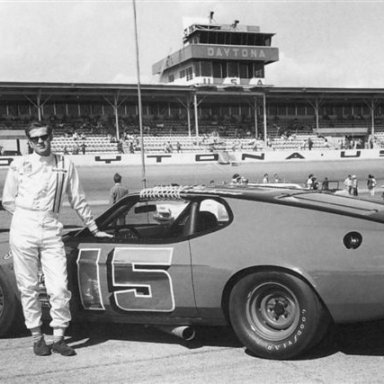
(144,181)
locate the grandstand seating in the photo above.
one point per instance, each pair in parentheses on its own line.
(300,142)
(228,134)
(206,143)
(93,144)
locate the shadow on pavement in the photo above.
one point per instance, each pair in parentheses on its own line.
(363,339)
(82,335)
(360,339)
(366,339)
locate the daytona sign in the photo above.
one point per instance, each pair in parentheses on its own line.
(252,53)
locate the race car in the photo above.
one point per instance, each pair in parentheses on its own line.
(278,265)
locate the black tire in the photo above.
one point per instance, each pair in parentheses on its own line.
(276,315)
(11,316)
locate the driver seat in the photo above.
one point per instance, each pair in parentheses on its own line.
(205,221)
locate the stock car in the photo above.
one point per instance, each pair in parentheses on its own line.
(278,265)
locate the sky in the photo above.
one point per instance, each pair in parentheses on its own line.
(321,43)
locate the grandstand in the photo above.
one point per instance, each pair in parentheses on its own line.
(166,119)
(211,96)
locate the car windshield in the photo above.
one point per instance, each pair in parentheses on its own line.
(164,220)
(147,212)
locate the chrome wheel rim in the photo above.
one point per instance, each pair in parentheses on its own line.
(273,311)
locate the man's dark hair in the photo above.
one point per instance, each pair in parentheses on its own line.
(117,178)
(35,125)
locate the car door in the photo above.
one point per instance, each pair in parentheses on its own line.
(144,271)
(211,242)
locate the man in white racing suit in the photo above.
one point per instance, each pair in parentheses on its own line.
(33,193)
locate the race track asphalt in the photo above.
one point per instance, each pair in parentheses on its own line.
(97,181)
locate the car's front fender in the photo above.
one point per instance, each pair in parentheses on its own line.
(6,260)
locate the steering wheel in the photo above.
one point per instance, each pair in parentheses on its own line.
(128,234)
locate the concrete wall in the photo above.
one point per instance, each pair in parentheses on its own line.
(92,160)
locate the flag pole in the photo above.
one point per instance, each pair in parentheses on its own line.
(144,181)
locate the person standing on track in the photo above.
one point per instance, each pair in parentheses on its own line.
(33,193)
(348,184)
(355,186)
(309,182)
(371,184)
(117,191)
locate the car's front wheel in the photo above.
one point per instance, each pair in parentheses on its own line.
(276,315)
(10,308)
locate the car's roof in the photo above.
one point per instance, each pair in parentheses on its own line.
(275,194)
(244,191)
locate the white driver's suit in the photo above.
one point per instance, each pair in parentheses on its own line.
(33,193)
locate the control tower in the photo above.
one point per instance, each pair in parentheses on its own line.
(219,54)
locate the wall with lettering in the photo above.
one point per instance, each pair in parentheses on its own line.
(221,157)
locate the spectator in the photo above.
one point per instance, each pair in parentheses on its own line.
(65,150)
(310,144)
(120,148)
(253,143)
(309,183)
(117,191)
(348,184)
(325,184)
(178,147)
(76,149)
(237,179)
(265,178)
(168,147)
(371,184)
(354,186)
(83,147)
(315,184)
(236,146)
(276,178)
(1,150)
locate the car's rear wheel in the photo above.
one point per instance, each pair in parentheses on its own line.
(276,315)
(10,308)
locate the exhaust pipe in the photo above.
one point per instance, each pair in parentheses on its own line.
(185,332)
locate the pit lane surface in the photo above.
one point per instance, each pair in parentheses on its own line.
(135,354)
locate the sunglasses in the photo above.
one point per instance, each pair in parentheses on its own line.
(36,139)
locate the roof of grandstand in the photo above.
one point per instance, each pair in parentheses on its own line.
(19,90)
